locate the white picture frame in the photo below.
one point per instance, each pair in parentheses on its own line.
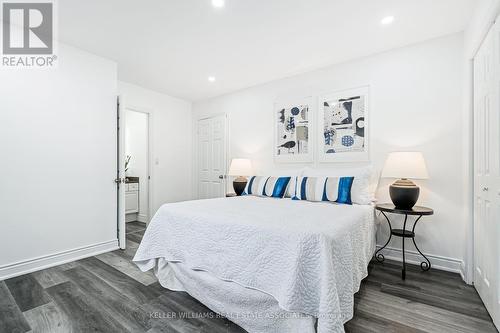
(348,127)
(302,150)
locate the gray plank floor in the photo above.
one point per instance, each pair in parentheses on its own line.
(108,293)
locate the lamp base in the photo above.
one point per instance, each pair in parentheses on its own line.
(239,185)
(404,193)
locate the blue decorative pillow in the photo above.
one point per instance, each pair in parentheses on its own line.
(334,189)
(267,186)
(276,186)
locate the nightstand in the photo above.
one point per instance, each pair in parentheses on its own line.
(230,195)
(403,233)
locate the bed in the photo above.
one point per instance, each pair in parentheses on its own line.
(269,265)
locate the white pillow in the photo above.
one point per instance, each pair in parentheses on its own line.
(362,191)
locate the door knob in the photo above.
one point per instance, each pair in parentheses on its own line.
(221,176)
(485,189)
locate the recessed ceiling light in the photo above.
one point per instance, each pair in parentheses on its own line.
(387,20)
(211,79)
(218,3)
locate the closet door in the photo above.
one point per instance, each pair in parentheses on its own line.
(212,157)
(487,172)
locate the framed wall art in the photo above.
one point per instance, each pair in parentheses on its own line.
(292,135)
(343,118)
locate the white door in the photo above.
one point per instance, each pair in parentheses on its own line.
(487,172)
(212,157)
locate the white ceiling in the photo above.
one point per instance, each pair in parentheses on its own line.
(173,46)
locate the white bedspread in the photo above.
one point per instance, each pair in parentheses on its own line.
(255,311)
(309,256)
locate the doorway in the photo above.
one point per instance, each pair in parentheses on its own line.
(136,182)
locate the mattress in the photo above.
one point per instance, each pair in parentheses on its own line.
(307,258)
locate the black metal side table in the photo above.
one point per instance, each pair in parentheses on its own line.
(403,233)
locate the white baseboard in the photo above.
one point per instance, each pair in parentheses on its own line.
(463,273)
(437,262)
(131,217)
(36,264)
(142,218)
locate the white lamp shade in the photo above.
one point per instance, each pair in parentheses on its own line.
(405,165)
(240,167)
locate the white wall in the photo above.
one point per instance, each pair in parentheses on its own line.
(416,104)
(136,146)
(171,132)
(58,161)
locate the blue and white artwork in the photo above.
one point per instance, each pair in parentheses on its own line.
(343,136)
(292,130)
(343,124)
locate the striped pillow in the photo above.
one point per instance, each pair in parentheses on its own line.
(276,186)
(334,189)
(255,185)
(267,186)
(290,190)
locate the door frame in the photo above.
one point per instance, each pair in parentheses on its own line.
(196,173)
(120,176)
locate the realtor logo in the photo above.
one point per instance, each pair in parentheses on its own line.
(28,29)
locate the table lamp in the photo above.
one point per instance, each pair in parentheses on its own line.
(240,167)
(405,166)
